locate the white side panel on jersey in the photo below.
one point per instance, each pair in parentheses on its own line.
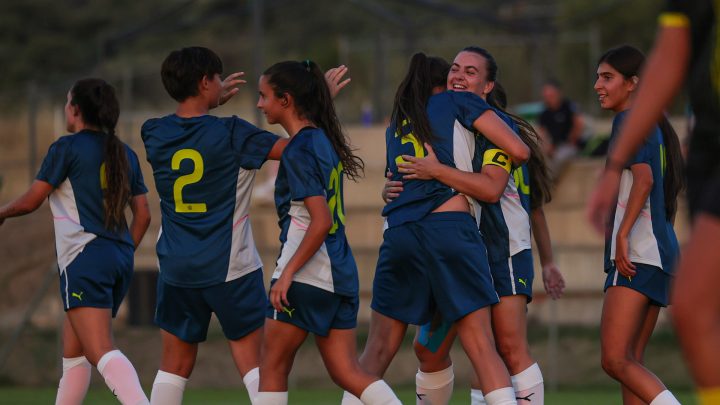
(318,270)
(642,242)
(516,218)
(244,257)
(463,152)
(70,236)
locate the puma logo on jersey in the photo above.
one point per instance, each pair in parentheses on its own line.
(288,311)
(78,296)
(523,282)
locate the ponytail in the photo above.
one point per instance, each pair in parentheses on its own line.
(305,82)
(99,107)
(424,74)
(540,179)
(673,178)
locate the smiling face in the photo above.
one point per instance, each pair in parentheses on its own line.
(272,106)
(469,73)
(613,89)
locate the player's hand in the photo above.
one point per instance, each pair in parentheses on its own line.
(602,200)
(278,292)
(553,280)
(420,168)
(622,261)
(333,78)
(229,86)
(392,189)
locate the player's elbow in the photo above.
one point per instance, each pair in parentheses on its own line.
(644,183)
(521,154)
(493,196)
(322,224)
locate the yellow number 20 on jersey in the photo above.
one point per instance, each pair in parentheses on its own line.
(182,181)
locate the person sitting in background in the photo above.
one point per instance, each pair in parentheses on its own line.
(561,126)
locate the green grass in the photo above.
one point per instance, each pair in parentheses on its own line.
(590,396)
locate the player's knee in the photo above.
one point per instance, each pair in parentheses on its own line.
(514,352)
(178,366)
(95,352)
(429,360)
(379,355)
(615,363)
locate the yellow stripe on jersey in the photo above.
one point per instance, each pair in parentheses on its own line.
(710,396)
(497,157)
(674,20)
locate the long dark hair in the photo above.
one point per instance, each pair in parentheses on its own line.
(629,61)
(99,107)
(540,179)
(411,98)
(305,82)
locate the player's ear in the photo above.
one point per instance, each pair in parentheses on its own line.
(635,80)
(204,83)
(489,86)
(286,100)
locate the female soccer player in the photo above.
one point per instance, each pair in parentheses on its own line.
(315,284)
(432,258)
(90,177)
(505,226)
(686,44)
(641,247)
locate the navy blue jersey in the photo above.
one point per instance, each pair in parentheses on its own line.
(505,225)
(652,238)
(451,116)
(310,167)
(74,167)
(204,169)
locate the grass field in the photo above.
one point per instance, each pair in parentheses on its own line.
(593,396)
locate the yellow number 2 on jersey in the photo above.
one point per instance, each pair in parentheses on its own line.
(182,181)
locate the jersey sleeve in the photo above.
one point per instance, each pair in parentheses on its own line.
(469,107)
(645,154)
(305,178)
(56,165)
(137,183)
(250,143)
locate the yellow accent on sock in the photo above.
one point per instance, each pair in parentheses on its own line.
(676,20)
(709,396)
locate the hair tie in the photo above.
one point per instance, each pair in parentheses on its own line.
(307,64)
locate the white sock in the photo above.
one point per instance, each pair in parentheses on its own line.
(528,385)
(121,377)
(271,398)
(501,396)
(379,393)
(350,399)
(74,382)
(665,398)
(167,389)
(476,397)
(434,388)
(251,379)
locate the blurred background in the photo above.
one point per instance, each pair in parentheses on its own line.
(47,44)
